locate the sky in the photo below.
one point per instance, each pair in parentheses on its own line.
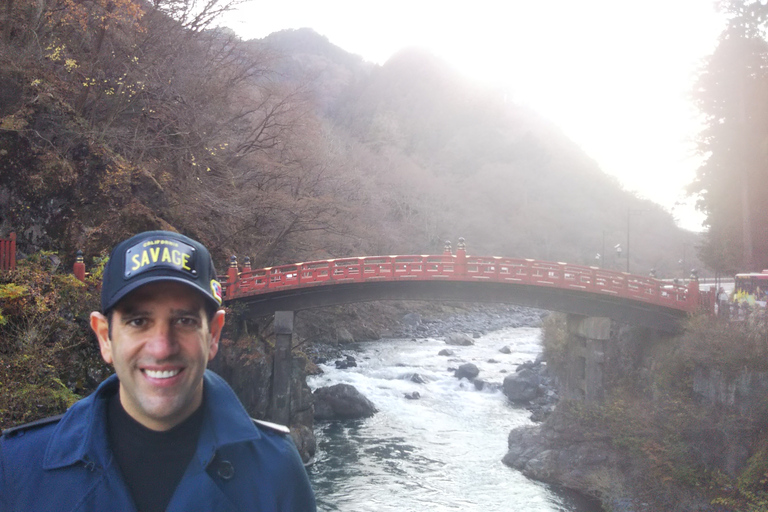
(616,77)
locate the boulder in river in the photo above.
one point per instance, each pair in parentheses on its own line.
(343,364)
(522,386)
(458,338)
(418,379)
(467,371)
(445,352)
(505,350)
(341,401)
(413,396)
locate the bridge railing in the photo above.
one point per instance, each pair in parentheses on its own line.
(459,267)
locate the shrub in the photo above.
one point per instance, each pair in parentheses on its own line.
(48,356)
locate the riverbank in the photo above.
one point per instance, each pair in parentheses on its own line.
(682,427)
(322,339)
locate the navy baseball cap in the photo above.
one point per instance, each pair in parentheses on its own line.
(158,256)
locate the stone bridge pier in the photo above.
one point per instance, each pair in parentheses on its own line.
(587,343)
(282,369)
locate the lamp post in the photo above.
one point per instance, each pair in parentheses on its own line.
(601,257)
(630,212)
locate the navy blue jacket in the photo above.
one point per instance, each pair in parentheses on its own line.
(68,466)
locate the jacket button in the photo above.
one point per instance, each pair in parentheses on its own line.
(226,470)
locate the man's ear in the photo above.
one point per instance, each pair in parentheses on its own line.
(217,324)
(100,326)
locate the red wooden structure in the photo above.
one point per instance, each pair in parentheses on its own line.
(460,267)
(8,253)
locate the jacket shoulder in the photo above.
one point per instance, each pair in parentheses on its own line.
(13,431)
(271,427)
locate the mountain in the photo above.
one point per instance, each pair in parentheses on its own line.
(448,158)
(290,149)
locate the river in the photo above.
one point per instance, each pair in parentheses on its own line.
(441,452)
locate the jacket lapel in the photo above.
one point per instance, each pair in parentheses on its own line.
(109,492)
(197,491)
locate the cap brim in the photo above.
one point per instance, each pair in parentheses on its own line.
(126,290)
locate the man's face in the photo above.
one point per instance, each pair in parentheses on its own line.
(160,344)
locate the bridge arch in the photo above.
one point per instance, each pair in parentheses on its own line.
(554,286)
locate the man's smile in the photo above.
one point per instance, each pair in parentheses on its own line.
(161,374)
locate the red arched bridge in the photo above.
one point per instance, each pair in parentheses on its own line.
(582,290)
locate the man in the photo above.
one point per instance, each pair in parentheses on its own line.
(723,307)
(163,433)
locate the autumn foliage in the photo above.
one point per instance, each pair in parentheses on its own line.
(48,357)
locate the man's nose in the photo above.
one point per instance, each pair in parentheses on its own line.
(162,343)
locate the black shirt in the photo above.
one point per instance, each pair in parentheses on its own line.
(152,463)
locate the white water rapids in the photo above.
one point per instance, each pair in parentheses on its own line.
(441,452)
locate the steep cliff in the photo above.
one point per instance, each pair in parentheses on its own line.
(681,425)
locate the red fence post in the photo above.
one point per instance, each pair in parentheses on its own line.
(692,298)
(461,258)
(232,277)
(12,255)
(8,253)
(79,267)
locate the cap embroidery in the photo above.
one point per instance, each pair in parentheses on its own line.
(156,253)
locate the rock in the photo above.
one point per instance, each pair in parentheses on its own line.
(344,336)
(411,319)
(445,352)
(457,338)
(467,371)
(365,333)
(493,361)
(343,364)
(413,396)
(305,442)
(418,379)
(479,384)
(540,413)
(543,466)
(522,386)
(523,366)
(505,350)
(341,401)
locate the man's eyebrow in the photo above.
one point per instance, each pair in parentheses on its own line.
(187,312)
(129,311)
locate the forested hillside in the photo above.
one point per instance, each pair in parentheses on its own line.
(119,117)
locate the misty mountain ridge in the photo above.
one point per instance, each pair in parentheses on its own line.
(490,170)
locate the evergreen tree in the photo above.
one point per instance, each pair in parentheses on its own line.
(732,183)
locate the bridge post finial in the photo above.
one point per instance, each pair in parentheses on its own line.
(232,272)
(448,249)
(79,267)
(247,264)
(462,246)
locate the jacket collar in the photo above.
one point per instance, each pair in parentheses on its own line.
(226,421)
(81,435)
